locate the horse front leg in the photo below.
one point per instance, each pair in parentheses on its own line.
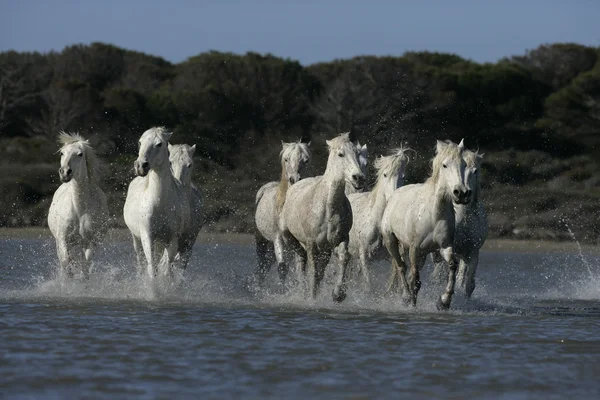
(139,254)
(339,291)
(282,268)
(471,269)
(171,249)
(362,261)
(416,263)
(439,267)
(397,274)
(87,265)
(446,298)
(62,251)
(311,272)
(152,258)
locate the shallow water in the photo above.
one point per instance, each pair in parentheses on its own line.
(532,330)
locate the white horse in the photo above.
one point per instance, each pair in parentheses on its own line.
(368,208)
(317,216)
(156,210)
(270,198)
(471,228)
(181,157)
(419,219)
(363,162)
(78,216)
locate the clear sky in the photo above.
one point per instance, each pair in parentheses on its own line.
(309,31)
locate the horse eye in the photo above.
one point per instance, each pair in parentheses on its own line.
(474,170)
(444,165)
(285,160)
(159,144)
(189,165)
(79,154)
(385,175)
(62,154)
(341,154)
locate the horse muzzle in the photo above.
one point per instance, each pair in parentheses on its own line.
(461,196)
(358,181)
(65,174)
(141,168)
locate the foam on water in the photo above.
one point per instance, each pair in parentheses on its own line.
(220,275)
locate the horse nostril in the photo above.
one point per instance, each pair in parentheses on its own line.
(69,171)
(291,180)
(456,192)
(145,164)
(356,177)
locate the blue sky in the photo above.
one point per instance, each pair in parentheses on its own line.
(308,31)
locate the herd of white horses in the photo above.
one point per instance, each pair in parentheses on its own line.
(302,222)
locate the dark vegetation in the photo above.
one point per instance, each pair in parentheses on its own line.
(536,117)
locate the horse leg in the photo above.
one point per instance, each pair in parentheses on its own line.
(311,272)
(171,249)
(151,257)
(416,263)
(282,268)
(439,267)
(62,251)
(398,267)
(87,265)
(460,271)
(471,269)
(362,255)
(339,291)
(265,255)
(444,301)
(139,254)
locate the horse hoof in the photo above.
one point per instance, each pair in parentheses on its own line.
(338,298)
(441,306)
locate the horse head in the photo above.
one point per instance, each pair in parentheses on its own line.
(181,157)
(449,170)
(153,152)
(391,170)
(343,161)
(75,154)
(295,157)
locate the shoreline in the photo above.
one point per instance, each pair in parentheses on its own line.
(493,245)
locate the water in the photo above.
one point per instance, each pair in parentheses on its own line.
(532,330)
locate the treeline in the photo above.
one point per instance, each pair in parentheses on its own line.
(535,116)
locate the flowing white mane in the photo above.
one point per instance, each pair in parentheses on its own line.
(290,148)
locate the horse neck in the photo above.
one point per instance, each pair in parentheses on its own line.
(440,200)
(82,189)
(281,190)
(160,179)
(377,201)
(335,186)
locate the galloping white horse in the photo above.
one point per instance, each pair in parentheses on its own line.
(317,216)
(156,210)
(78,216)
(368,208)
(181,157)
(270,198)
(471,228)
(419,219)
(363,162)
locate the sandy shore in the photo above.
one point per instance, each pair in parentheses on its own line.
(500,245)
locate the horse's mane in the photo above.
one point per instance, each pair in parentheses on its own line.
(160,131)
(389,164)
(178,151)
(338,141)
(288,148)
(449,150)
(93,164)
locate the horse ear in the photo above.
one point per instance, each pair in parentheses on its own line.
(192,150)
(461,145)
(328,143)
(168,135)
(364,147)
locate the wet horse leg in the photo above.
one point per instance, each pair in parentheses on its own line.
(446,298)
(339,291)
(417,259)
